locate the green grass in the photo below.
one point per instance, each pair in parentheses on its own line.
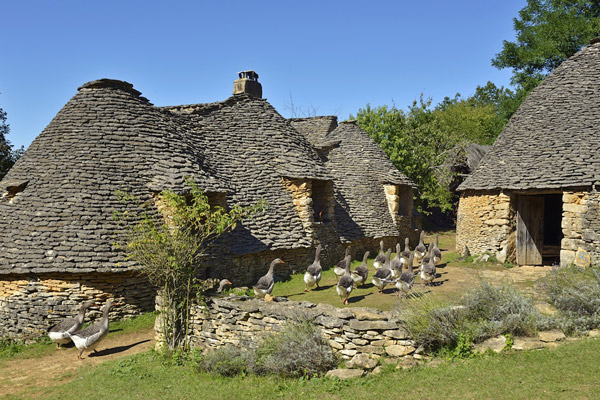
(363,296)
(10,349)
(570,371)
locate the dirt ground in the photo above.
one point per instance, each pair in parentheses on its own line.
(63,365)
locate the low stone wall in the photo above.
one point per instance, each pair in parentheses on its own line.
(240,321)
(580,226)
(485,223)
(30,304)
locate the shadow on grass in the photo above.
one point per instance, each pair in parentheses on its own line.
(118,349)
(356,299)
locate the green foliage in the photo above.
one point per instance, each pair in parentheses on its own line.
(8,156)
(169,246)
(483,312)
(575,292)
(547,33)
(418,141)
(226,361)
(298,350)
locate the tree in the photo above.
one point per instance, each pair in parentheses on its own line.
(170,245)
(7,156)
(418,141)
(548,32)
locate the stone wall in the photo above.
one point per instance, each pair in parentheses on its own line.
(30,304)
(486,223)
(240,321)
(580,225)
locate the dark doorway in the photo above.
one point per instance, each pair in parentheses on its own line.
(539,230)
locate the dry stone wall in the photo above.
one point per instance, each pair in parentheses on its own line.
(485,223)
(580,225)
(240,321)
(29,304)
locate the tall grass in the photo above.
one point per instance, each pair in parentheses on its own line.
(575,292)
(483,312)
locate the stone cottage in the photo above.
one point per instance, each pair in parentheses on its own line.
(533,199)
(57,202)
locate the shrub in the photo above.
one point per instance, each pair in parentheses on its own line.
(297,350)
(575,292)
(501,310)
(482,313)
(226,361)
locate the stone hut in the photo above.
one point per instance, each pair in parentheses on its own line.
(57,202)
(533,199)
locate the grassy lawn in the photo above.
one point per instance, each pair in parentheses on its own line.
(569,371)
(454,277)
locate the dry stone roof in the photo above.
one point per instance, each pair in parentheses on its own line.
(553,139)
(360,168)
(57,201)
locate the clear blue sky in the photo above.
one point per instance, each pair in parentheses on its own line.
(332,56)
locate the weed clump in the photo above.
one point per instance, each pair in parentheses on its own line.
(575,293)
(298,350)
(483,312)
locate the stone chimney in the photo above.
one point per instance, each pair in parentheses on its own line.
(248,84)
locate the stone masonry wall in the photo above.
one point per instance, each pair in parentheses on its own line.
(580,225)
(29,304)
(240,321)
(486,223)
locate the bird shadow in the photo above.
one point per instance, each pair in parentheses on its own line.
(324,287)
(390,290)
(442,265)
(356,299)
(118,349)
(115,330)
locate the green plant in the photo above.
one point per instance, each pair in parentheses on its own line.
(510,340)
(226,361)
(169,246)
(575,292)
(299,349)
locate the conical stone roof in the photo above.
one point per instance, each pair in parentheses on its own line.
(553,139)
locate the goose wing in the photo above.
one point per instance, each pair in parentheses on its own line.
(264,283)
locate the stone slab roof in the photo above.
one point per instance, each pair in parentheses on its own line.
(553,139)
(360,168)
(57,201)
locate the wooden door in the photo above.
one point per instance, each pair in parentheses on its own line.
(530,230)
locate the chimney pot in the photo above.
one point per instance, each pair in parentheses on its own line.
(247,83)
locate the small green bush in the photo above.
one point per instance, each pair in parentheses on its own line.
(225,361)
(575,292)
(297,350)
(483,312)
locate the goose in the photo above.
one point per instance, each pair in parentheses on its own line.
(396,264)
(90,337)
(405,254)
(383,275)
(346,283)
(265,284)
(312,276)
(58,332)
(380,259)
(340,268)
(222,284)
(425,259)
(428,271)
(362,271)
(437,254)
(407,279)
(420,250)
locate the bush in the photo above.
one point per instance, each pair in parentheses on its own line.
(297,350)
(226,361)
(575,292)
(483,312)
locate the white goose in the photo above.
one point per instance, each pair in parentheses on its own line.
(265,284)
(90,337)
(360,273)
(340,268)
(312,276)
(420,250)
(382,275)
(437,254)
(396,263)
(346,283)
(380,259)
(428,271)
(405,254)
(59,332)
(407,279)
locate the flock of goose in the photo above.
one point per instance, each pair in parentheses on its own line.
(398,271)
(88,338)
